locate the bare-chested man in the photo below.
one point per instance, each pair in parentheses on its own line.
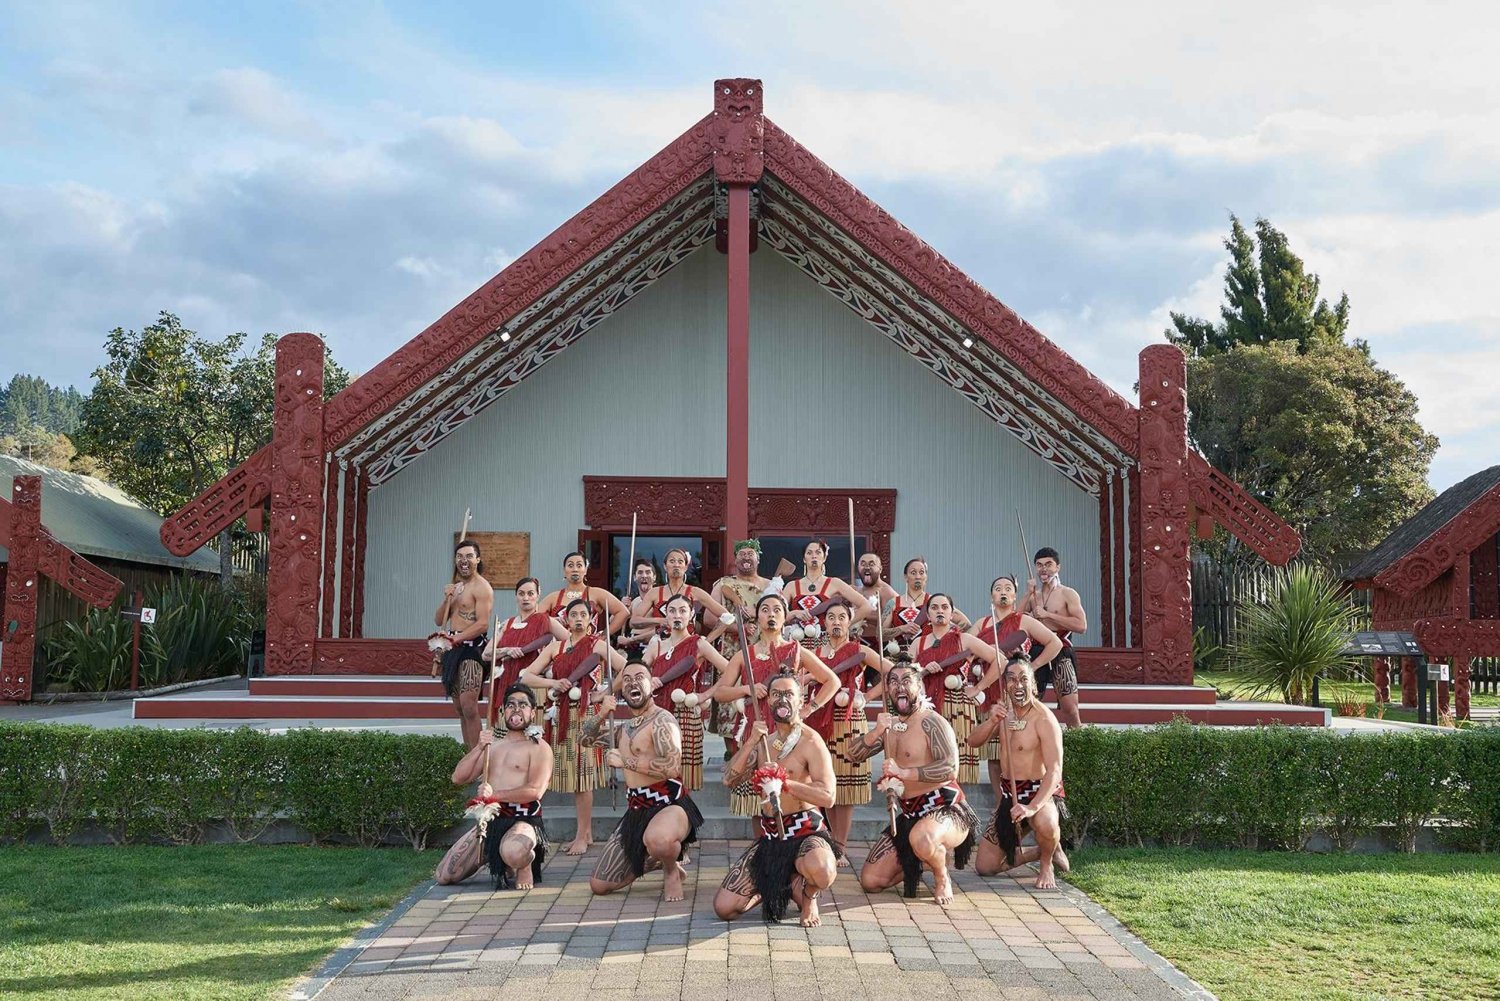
(603,605)
(1035,765)
(514,842)
(676,663)
(572,671)
(1005,620)
(878,593)
(520,639)
(463,618)
(1059,608)
(767,656)
(794,857)
(655,600)
(933,816)
(810,596)
(642,581)
(843,723)
(943,654)
(660,819)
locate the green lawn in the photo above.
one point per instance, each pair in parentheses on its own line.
(203,922)
(1262,925)
(1330,692)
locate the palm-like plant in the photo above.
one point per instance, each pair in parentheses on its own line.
(1296,632)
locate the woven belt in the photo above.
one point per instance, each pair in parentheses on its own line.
(794,825)
(663,793)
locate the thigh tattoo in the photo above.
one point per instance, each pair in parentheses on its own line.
(739,880)
(613,866)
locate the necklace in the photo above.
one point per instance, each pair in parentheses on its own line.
(634,724)
(1018,722)
(783,745)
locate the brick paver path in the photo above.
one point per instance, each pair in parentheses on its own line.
(999,939)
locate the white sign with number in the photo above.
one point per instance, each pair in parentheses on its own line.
(148,616)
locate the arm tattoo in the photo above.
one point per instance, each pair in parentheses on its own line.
(734,776)
(941,749)
(860,749)
(592,731)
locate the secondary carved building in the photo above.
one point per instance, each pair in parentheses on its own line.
(731,341)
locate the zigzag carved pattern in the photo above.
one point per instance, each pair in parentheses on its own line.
(450,387)
(1092,445)
(522,365)
(940,281)
(527,278)
(1245,517)
(878,316)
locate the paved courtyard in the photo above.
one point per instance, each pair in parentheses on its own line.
(999,939)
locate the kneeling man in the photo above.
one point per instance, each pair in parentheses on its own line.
(921,768)
(794,857)
(661,818)
(516,769)
(1031,761)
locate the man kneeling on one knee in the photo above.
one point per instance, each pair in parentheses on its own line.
(1031,763)
(793,859)
(661,819)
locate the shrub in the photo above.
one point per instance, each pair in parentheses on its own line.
(1296,633)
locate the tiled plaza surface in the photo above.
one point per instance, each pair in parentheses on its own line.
(999,939)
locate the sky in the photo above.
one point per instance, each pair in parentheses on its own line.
(355,169)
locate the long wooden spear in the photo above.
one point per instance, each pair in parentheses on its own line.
(463,534)
(1010,763)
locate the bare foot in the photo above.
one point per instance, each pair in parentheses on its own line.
(810,916)
(686,859)
(578,846)
(844,861)
(522,877)
(942,887)
(1060,861)
(672,886)
(1045,880)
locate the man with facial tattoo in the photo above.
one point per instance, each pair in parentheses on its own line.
(746,676)
(1034,765)
(676,663)
(660,819)
(462,619)
(919,778)
(1006,620)
(514,772)
(793,859)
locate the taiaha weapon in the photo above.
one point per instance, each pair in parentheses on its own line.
(853,572)
(440,641)
(614,783)
(1026,555)
(753,716)
(1010,763)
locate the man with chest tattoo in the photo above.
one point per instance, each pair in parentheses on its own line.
(921,765)
(1034,765)
(660,819)
(462,619)
(794,856)
(510,831)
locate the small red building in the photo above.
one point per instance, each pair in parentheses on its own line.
(1436,576)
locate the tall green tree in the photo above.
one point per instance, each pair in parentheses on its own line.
(1282,400)
(171,412)
(29,401)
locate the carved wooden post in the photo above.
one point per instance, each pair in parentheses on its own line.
(739,160)
(1166,590)
(1382,680)
(1408,683)
(24,579)
(297,469)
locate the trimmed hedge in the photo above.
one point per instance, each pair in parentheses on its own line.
(1177,784)
(1273,787)
(137,784)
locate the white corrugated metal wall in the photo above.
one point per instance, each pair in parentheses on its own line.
(833,403)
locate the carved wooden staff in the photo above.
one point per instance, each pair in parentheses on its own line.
(463,534)
(1010,763)
(853,568)
(614,784)
(1026,555)
(754,714)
